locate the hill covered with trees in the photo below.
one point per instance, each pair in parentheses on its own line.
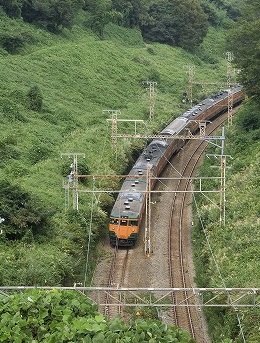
(62,64)
(178,23)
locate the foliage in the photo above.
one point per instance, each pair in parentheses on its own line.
(16,36)
(12,7)
(47,317)
(244,40)
(66,316)
(217,17)
(180,23)
(133,12)
(20,210)
(231,259)
(54,15)
(12,44)
(220,10)
(248,119)
(8,149)
(39,152)
(35,99)
(10,112)
(29,263)
(101,15)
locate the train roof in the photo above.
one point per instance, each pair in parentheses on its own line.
(175,126)
(158,143)
(130,199)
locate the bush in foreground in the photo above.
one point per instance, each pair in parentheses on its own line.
(67,316)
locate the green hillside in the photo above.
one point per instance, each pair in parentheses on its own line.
(77,75)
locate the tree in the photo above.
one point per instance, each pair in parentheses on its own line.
(12,7)
(20,210)
(176,22)
(54,15)
(100,15)
(133,12)
(244,40)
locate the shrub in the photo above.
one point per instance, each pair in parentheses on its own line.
(35,99)
(20,211)
(12,8)
(67,170)
(12,43)
(39,152)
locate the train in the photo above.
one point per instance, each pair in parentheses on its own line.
(129,207)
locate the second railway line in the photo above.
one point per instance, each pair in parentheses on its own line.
(171,262)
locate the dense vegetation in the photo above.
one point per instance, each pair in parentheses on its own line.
(233,257)
(52,316)
(54,89)
(181,23)
(57,77)
(228,255)
(244,40)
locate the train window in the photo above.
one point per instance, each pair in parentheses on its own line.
(133,222)
(123,222)
(113,221)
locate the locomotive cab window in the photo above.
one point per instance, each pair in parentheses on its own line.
(123,222)
(133,222)
(113,221)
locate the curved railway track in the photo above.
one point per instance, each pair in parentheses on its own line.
(123,270)
(178,236)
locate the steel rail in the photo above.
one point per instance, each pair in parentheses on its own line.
(181,258)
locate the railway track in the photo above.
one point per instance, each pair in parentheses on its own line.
(167,266)
(178,237)
(116,279)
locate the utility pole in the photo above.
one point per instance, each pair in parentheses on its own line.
(230,94)
(73,178)
(223,160)
(114,131)
(114,120)
(229,68)
(152,85)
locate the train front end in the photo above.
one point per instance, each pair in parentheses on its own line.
(125,216)
(123,231)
